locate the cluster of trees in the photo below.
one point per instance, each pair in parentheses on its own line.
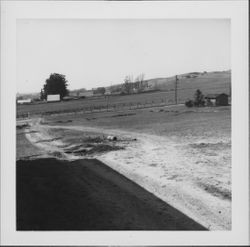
(130,85)
(99,90)
(199,100)
(55,84)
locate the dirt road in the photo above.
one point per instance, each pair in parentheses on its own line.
(164,168)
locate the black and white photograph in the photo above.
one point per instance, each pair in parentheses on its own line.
(124,124)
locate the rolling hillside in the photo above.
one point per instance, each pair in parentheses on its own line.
(194,80)
(207,81)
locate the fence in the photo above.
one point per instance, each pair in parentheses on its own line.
(163,98)
(100,108)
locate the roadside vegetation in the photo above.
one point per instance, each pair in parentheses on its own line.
(199,100)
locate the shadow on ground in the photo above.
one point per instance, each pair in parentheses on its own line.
(88,195)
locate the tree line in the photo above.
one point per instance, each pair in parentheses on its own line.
(57,84)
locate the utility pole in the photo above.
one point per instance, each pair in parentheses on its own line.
(230,97)
(176,88)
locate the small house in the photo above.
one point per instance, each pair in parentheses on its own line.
(53,97)
(217,99)
(24,101)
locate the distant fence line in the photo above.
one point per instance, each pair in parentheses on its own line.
(102,108)
(108,106)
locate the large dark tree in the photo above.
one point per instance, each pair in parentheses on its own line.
(55,84)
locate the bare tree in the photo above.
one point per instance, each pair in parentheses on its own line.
(128,84)
(139,82)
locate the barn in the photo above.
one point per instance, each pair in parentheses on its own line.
(217,99)
(53,97)
(23,101)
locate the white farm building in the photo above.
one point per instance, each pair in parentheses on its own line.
(23,101)
(53,97)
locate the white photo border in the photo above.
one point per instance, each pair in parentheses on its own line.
(236,11)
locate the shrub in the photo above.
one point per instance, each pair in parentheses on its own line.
(199,98)
(189,103)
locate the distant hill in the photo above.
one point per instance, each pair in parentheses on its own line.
(218,80)
(208,82)
(192,80)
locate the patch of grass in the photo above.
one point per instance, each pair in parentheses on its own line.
(213,146)
(123,115)
(96,139)
(216,191)
(66,121)
(89,119)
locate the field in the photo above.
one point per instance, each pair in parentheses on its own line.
(180,155)
(214,82)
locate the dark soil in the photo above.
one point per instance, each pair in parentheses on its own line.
(225,194)
(216,146)
(67,121)
(88,195)
(23,126)
(123,115)
(88,149)
(49,140)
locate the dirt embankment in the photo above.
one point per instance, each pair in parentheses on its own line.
(88,195)
(174,172)
(180,174)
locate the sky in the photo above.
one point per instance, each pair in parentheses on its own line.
(95,52)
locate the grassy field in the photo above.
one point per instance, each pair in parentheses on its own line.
(173,121)
(207,83)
